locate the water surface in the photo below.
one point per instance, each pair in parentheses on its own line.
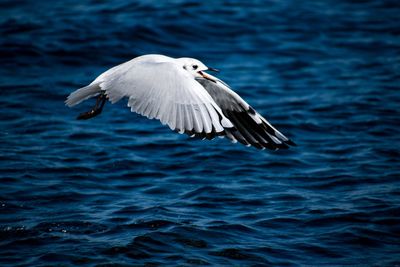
(122,189)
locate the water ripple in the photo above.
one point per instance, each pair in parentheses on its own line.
(120,189)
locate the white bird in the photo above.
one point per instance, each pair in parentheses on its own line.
(179,93)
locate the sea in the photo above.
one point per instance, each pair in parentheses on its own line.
(123,190)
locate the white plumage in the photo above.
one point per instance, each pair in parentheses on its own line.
(180,94)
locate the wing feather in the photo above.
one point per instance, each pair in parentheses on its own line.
(172,117)
(205,119)
(180,121)
(198,124)
(188,118)
(250,128)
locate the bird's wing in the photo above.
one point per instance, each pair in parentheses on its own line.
(250,127)
(164,91)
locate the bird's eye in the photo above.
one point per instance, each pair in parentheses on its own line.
(195,67)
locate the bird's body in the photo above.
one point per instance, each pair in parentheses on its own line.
(179,93)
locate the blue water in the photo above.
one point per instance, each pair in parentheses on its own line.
(122,189)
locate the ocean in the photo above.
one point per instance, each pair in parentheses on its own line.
(122,190)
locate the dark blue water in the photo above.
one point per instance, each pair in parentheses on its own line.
(122,189)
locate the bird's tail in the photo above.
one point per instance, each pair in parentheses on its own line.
(82,94)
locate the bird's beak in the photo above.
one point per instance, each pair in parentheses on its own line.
(212,69)
(207,76)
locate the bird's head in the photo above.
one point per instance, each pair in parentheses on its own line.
(196,68)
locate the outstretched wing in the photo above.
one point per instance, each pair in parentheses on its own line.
(250,127)
(166,92)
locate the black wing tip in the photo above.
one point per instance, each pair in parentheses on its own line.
(201,135)
(274,146)
(290,143)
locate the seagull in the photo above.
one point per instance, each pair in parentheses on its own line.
(181,94)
